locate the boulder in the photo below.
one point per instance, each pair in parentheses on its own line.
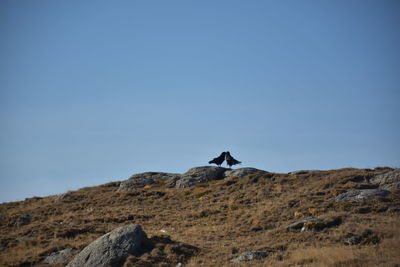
(112,248)
(142,179)
(360,195)
(250,255)
(59,256)
(241,172)
(389,180)
(199,175)
(25,218)
(63,196)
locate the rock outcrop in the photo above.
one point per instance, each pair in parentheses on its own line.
(171,182)
(142,179)
(192,177)
(199,175)
(241,172)
(389,181)
(360,195)
(112,248)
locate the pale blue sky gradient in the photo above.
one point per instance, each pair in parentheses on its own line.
(94,91)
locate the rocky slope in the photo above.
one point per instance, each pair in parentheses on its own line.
(212,216)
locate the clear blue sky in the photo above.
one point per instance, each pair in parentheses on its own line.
(94,91)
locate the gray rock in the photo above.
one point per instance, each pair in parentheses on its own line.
(59,256)
(353,240)
(143,179)
(366,237)
(171,182)
(389,180)
(250,255)
(241,172)
(25,218)
(360,195)
(199,175)
(63,196)
(112,248)
(300,224)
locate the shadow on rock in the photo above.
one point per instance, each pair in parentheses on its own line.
(162,251)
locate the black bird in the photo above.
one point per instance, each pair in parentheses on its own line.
(230,160)
(218,160)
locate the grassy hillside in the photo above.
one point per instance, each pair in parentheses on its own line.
(211,223)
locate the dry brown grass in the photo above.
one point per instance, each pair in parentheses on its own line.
(222,219)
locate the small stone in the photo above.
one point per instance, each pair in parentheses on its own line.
(353,240)
(301,224)
(25,218)
(250,255)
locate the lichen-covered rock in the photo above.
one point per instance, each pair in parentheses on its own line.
(142,179)
(171,182)
(389,180)
(112,248)
(250,255)
(59,256)
(241,172)
(199,175)
(360,195)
